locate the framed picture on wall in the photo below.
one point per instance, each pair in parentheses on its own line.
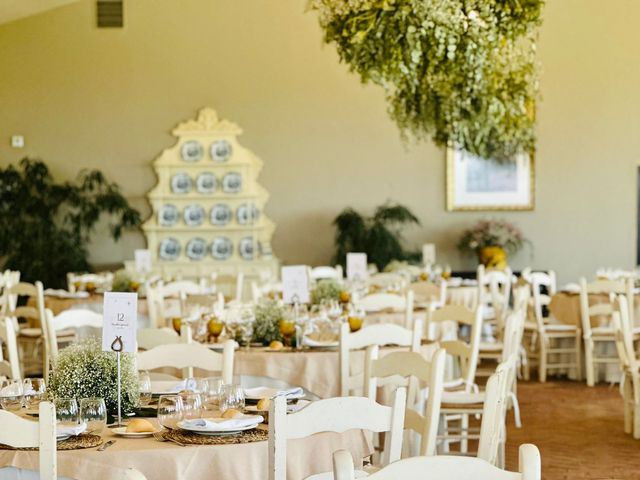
(475,183)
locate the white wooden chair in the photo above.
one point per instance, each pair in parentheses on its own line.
(149,338)
(380,335)
(494,293)
(420,374)
(444,468)
(326,272)
(189,356)
(603,333)
(386,280)
(9,366)
(630,383)
(392,302)
(334,415)
(430,293)
(19,432)
(551,337)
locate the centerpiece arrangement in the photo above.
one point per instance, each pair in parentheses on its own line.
(83,370)
(491,241)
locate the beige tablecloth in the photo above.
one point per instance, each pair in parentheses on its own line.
(565,307)
(314,369)
(164,460)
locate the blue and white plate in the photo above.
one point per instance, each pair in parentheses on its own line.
(221,151)
(221,248)
(247,248)
(206,183)
(220,214)
(247,214)
(169,249)
(181,183)
(191,151)
(168,215)
(193,215)
(196,248)
(232,182)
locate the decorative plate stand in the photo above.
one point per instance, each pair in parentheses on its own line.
(208,208)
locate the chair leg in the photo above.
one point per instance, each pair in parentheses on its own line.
(636,420)
(542,361)
(627,397)
(578,357)
(516,409)
(464,427)
(588,363)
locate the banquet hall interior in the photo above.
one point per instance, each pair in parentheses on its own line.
(294,239)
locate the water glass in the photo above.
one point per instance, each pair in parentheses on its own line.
(93,411)
(34,391)
(170,410)
(192,405)
(67,411)
(211,394)
(231,396)
(144,382)
(11,395)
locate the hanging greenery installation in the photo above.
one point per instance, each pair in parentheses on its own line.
(462,72)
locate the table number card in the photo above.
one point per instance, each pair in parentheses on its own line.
(357,266)
(120,315)
(143,260)
(428,254)
(295,284)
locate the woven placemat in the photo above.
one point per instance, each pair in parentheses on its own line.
(190,438)
(73,443)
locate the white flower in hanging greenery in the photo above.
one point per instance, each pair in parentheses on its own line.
(462,72)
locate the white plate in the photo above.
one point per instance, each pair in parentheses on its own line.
(122,431)
(220,428)
(266,392)
(62,438)
(311,343)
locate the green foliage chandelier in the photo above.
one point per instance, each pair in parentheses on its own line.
(463,72)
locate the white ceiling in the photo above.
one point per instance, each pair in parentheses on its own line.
(11,10)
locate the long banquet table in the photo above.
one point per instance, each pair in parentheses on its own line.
(164,460)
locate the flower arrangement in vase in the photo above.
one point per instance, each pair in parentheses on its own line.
(492,241)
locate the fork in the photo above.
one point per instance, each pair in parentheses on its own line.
(161,438)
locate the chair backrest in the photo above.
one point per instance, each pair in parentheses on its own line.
(381,335)
(320,273)
(444,467)
(10,366)
(189,356)
(155,304)
(386,280)
(430,293)
(149,338)
(19,432)
(174,289)
(390,301)
(334,415)
(540,281)
(495,288)
(494,412)
(35,290)
(605,287)
(419,373)
(466,352)
(623,331)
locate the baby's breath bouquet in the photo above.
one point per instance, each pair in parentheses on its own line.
(325,290)
(492,233)
(83,370)
(267,325)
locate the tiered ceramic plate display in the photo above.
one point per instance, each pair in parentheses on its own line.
(208,205)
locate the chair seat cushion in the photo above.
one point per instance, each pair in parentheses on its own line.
(560,327)
(491,346)
(37,332)
(460,398)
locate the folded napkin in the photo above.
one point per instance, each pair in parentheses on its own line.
(214,424)
(51,292)
(64,430)
(571,288)
(266,392)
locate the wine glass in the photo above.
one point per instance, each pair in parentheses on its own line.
(176,323)
(247,321)
(34,390)
(11,395)
(355,319)
(66,411)
(93,411)
(170,410)
(446,273)
(192,405)
(212,392)
(144,382)
(215,326)
(231,396)
(287,326)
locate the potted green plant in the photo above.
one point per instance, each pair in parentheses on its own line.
(46,226)
(492,241)
(379,236)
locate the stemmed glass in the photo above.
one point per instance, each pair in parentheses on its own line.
(355,318)
(214,326)
(192,405)
(170,410)
(247,322)
(144,382)
(93,411)
(212,392)
(11,395)
(34,391)
(287,326)
(66,411)
(231,396)
(232,322)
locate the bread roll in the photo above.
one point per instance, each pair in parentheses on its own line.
(263,404)
(231,413)
(140,425)
(276,345)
